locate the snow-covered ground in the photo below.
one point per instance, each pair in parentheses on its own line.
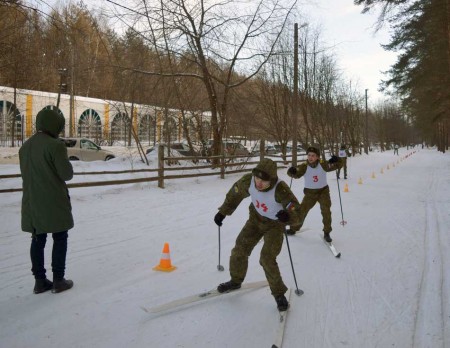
(390,288)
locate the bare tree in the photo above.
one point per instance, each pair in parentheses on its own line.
(220,38)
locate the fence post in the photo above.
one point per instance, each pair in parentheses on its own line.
(161,166)
(262,149)
(222,166)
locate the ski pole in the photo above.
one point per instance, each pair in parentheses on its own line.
(343,222)
(297,291)
(219,266)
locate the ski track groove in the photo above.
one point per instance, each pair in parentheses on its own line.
(386,323)
(429,329)
(352,293)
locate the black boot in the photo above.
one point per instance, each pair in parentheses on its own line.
(60,285)
(327,237)
(228,286)
(42,285)
(282,303)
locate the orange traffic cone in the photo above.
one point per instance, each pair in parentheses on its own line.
(346,188)
(165,264)
(373,175)
(360,181)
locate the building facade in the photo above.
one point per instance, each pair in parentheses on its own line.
(103,121)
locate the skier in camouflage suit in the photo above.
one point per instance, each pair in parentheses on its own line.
(316,188)
(343,154)
(273,206)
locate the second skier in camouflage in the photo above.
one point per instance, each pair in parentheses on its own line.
(316,187)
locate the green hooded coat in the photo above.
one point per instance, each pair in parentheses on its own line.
(45,167)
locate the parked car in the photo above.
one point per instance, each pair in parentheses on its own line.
(231,148)
(82,149)
(182,148)
(271,150)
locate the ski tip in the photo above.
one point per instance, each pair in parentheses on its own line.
(338,256)
(274,346)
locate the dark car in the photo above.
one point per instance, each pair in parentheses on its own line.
(182,148)
(231,148)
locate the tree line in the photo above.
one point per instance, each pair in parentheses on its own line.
(234,61)
(421,74)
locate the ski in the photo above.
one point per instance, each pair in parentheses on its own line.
(282,324)
(201,296)
(332,248)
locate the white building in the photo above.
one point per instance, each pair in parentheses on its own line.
(103,121)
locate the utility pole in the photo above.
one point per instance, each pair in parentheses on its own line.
(366,140)
(62,84)
(295,101)
(71,106)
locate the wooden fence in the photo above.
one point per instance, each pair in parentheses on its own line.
(238,164)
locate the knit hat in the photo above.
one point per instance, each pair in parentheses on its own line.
(266,170)
(314,150)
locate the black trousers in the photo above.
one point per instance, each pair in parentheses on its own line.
(59,252)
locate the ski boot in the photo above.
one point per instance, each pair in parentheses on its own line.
(327,237)
(282,303)
(228,286)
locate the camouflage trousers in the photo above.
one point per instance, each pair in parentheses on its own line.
(309,200)
(344,165)
(250,235)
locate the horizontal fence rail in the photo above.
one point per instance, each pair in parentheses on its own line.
(219,169)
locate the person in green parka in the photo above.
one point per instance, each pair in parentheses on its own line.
(316,188)
(273,206)
(46,206)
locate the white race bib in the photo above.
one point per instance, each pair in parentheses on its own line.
(315,178)
(342,153)
(264,201)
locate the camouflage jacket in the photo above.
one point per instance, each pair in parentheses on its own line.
(240,190)
(301,169)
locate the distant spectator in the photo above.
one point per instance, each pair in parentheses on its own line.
(343,153)
(396,149)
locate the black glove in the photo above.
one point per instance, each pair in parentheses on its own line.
(292,171)
(219,218)
(283,216)
(333,159)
